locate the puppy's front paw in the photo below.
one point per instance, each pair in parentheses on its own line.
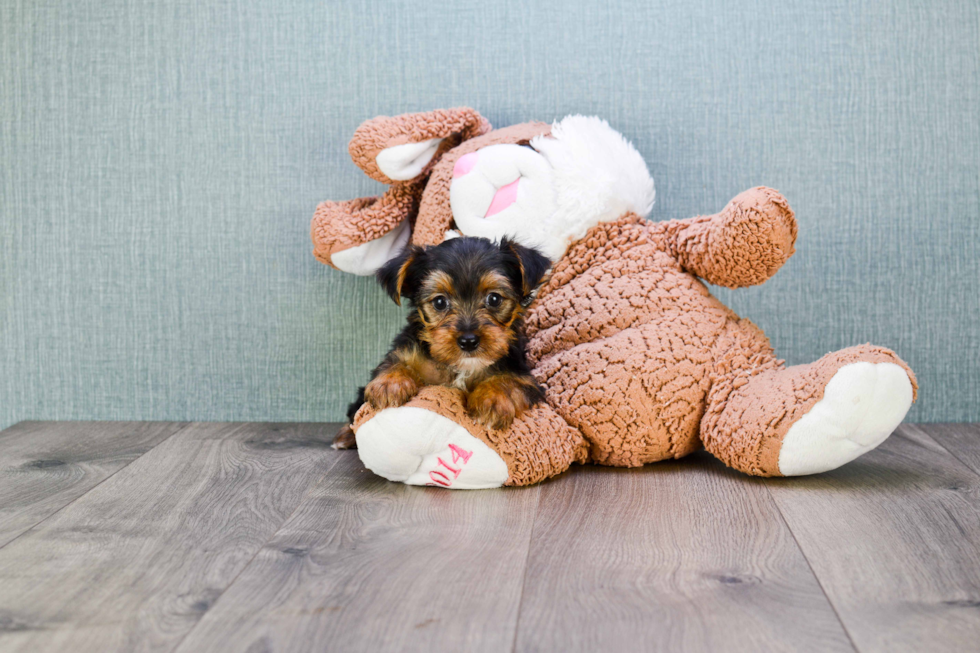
(390,389)
(491,405)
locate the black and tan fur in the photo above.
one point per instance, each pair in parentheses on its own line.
(466,329)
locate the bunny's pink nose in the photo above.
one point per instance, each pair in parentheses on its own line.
(504,197)
(464,164)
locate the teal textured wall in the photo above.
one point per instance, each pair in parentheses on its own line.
(160,162)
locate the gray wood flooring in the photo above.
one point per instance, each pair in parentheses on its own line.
(259,537)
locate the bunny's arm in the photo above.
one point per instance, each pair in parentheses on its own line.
(743,245)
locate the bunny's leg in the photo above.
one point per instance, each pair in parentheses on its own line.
(432,441)
(768,420)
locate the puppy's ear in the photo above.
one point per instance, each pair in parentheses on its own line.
(399,275)
(527,267)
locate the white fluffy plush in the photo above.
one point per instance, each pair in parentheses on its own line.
(598,174)
(415,446)
(528,219)
(582,174)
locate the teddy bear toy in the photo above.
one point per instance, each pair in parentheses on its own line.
(639,362)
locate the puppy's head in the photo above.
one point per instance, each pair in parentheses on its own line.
(469,293)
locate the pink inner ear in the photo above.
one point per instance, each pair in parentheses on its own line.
(504,197)
(464,164)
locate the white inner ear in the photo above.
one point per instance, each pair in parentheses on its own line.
(404,162)
(365,259)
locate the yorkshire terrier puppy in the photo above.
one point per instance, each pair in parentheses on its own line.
(466,330)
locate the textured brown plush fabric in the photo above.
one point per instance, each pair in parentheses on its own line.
(455,125)
(639,361)
(637,355)
(751,408)
(624,341)
(337,226)
(742,246)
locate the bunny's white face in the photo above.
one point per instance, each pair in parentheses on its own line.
(506,190)
(549,193)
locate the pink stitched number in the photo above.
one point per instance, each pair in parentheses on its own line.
(460,453)
(444,483)
(453,470)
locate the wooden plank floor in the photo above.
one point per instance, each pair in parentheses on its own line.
(259,537)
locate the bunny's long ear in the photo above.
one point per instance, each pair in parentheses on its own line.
(358,236)
(400,148)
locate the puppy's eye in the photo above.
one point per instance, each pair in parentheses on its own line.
(440,303)
(493,300)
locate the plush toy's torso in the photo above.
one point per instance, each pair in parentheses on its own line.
(626,343)
(639,361)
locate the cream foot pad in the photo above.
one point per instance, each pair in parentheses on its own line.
(418,447)
(861,406)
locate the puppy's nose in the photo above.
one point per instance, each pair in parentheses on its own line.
(468,341)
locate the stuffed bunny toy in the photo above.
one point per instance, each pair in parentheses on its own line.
(639,362)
